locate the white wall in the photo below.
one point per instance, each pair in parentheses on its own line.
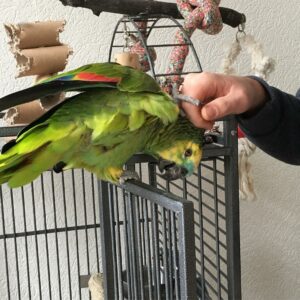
(270,227)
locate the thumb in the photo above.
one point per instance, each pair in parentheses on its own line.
(218,108)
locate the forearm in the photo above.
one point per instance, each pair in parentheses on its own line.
(275,127)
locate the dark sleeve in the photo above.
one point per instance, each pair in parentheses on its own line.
(275,128)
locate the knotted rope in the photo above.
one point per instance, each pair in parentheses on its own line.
(137,47)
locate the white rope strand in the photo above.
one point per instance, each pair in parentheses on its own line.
(261,66)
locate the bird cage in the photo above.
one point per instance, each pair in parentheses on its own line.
(151,239)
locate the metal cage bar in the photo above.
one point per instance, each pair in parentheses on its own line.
(232,212)
(148,274)
(46,230)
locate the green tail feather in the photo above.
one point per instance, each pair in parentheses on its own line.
(18,170)
(42,160)
(35,152)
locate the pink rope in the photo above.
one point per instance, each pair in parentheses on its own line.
(139,49)
(198,14)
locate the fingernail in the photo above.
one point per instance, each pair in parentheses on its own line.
(210,113)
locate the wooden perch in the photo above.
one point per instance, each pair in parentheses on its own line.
(136,7)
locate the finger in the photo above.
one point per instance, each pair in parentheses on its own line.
(219,108)
(201,86)
(194,114)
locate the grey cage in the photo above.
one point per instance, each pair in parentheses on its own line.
(151,239)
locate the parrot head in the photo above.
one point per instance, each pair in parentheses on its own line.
(180,160)
(179,150)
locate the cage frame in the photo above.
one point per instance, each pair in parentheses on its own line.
(224,146)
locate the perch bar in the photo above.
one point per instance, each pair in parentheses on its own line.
(135,7)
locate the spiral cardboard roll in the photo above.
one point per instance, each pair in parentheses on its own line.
(24,114)
(34,35)
(42,61)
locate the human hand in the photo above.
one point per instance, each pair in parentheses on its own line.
(222,94)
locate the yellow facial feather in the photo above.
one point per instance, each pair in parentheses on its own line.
(176,153)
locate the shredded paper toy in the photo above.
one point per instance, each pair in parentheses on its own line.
(38,53)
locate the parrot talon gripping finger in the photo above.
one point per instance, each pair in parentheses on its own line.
(128,175)
(179,97)
(188,99)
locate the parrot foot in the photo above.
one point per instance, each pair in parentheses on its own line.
(59,167)
(127,175)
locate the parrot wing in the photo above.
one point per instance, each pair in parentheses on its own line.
(105,75)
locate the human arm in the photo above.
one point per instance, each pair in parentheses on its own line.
(275,127)
(268,116)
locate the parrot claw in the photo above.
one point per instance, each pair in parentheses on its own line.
(188,99)
(179,97)
(127,175)
(59,167)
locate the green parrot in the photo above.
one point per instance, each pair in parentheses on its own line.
(119,112)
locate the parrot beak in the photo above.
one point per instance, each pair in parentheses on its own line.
(171,171)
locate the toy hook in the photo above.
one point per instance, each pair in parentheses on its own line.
(241,32)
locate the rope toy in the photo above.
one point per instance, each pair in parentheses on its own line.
(38,52)
(96,286)
(261,66)
(198,14)
(245,150)
(135,54)
(138,47)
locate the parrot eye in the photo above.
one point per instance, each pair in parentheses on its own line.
(188,152)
